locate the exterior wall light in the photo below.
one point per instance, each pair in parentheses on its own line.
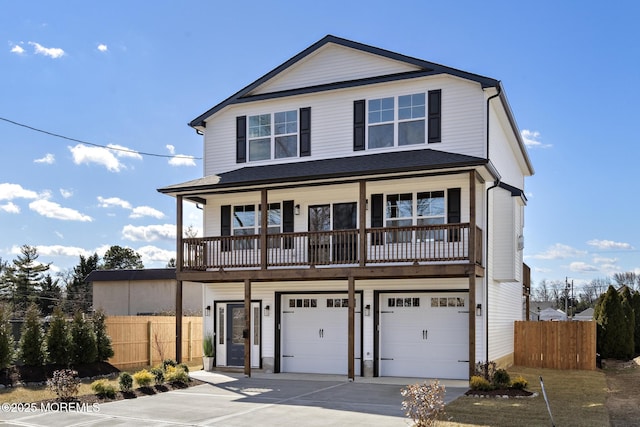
(207,311)
(296,209)
(367,310)
(267,310)
(479,310)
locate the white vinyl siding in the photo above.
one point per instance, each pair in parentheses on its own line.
(505,307)
(331,64)
(507,265)
(462,123)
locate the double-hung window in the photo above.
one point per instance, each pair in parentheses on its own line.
(246,222)
(399,213)
(389,126)
(273,136)
(430,210)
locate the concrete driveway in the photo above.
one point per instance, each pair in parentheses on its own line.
(263,400)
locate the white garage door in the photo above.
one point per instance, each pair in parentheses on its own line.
(424,335)
(314,334)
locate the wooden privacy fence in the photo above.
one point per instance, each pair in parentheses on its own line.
(147,340)
(556,345)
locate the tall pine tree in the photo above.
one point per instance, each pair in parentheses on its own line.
(24,277)
(630,322)
(611,328)
(49,295)
(79,292)
(32,350)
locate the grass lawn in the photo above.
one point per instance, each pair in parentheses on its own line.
(577,398)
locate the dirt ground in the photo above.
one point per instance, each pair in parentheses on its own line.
(623,383)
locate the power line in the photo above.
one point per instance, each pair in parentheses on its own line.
(142,153)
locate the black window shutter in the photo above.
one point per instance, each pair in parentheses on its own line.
(225,226)
(435,107)
(453,212)
(287,222)
(241,139)
(305,131)
(377,217)
(358,125)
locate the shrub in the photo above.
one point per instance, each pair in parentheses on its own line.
(501,379)
(58,339)
(65,384)
(612,334)
(424,403)
(480,383)
(103,388)
(143,378)
(176,375)
(103,341)
(183,366)
(520,383)
(486,370)
(168,362)
(31,344)
(83,341)
(125,381)
(158,375)
(6,338)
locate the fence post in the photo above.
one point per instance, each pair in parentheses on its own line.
(190,348)
(150,337)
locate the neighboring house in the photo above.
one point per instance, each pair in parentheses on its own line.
(142,292)
(363,215)
(550,313)
(586,315)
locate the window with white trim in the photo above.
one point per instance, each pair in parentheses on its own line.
(382,118)
(246,222)
(407,209)
(273,136)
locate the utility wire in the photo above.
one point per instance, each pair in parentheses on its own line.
(98,145)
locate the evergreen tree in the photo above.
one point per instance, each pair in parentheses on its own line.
(58,339)
(635,304)
(103,341)
(611,326)
(32,351)
(119,258)
(49,295)
(6,338)
(79,291)
(83,341)
(24,277)
(630,322)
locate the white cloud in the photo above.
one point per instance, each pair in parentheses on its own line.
(140,211)
(171,148)
(52,52)
(579,266)
(151,254)
(149,233)
(102,47)
(48,159)
(10,207)
(66,193)
(609,244)
(113,201)
(17,49)
(15,191)
(532,139)
(122,151)
(102,156)
(50,209)
(559,251)
(182,160)
(603,260)
(59,250)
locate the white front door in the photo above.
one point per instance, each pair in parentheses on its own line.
(314,334)
(424,335)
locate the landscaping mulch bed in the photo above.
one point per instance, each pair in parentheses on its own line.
(502,392)
(16,375)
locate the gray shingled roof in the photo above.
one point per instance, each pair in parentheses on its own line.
(353,166)
(126,275)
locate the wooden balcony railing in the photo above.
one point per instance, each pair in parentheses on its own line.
(432,243)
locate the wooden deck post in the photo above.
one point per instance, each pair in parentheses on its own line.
(179,260)
(247,328)
(351,327)
(471,247)
(264,214)
(362,206)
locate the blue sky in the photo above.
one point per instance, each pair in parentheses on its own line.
(130,75)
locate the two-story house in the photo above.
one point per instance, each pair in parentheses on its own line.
(363,215)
